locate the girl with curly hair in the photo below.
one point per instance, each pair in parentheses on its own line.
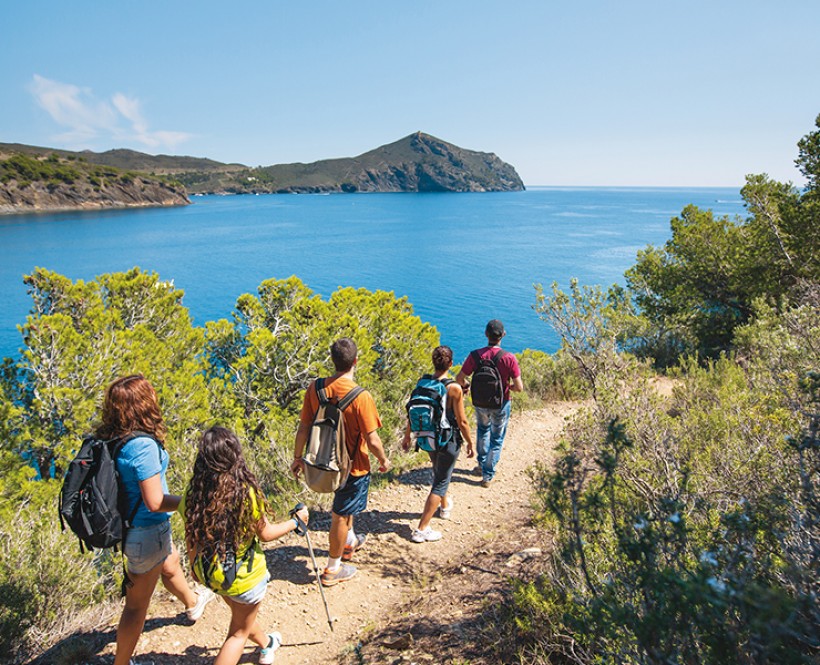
(226,517)
(131,412)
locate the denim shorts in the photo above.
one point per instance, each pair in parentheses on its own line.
(253,596)
(444,461)
(147,546)
(352,498)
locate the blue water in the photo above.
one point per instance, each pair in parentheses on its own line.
(461,259)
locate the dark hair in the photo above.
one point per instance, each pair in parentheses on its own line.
(218,507)
(494,331)
(442,358)
(131,405)
(343,353)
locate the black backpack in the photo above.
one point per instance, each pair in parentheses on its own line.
(487,387)
(92,500)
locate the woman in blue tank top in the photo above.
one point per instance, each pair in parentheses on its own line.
(131,407)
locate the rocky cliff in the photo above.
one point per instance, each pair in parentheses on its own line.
(32,184)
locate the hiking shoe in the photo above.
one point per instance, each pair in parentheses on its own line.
(486,482)
(347,555)
(341,574)
(444,513)
(142,662)
(204,596)
(266,655)
(425,536)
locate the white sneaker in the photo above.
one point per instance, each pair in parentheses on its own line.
(425,536)
(266,655)
(204,596)
(444,513)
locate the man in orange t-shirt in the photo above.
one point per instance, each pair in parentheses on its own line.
(361,422)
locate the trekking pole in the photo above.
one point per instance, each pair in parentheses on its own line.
(302,530)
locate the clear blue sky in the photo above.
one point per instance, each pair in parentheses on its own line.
(571,93)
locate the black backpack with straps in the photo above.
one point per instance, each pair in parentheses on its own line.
(487,387)
(93,502)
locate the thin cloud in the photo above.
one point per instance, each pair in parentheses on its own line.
(91,121)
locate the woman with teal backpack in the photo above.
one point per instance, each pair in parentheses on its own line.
(226,519)
(445,453)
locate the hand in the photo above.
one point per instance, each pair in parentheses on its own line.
(405,444)
(303,514)
(470,451)
(465,388)
(384,466)
(296,467)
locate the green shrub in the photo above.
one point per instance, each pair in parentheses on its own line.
(687,527)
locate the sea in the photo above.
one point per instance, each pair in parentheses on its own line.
(459,259)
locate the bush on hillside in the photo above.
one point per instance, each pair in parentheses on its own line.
(687,528)
(248,374)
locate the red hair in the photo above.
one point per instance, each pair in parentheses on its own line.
(131,405)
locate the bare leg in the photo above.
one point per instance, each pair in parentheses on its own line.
(243,627)
(174,580)
(339,526)
(430,506)
(132,620)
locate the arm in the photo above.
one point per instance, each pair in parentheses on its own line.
(374,445)
(456,396)
(517,384)
(155,499)
(268,531)
(405,442)
(192,552)
(461,379)
(301,439)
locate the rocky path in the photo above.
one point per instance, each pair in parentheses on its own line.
(396,577)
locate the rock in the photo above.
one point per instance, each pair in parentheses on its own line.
(401,644)
(524,555)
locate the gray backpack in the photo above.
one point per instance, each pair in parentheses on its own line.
(326,457)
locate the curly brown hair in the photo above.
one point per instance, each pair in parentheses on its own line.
(131,405)
(218,507)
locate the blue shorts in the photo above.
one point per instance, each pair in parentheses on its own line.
(147,546)
(352,498)
(444,461)
(253,596)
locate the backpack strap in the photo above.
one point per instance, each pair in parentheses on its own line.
(349,397)
(321,393)
(476,359)
(498,356)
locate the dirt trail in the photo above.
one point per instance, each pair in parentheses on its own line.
(392,570)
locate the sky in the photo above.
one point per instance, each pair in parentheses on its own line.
(585,93)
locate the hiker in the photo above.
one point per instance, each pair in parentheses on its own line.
(130,406)
(447,444)
(226,520)
(495,373)
(361,422)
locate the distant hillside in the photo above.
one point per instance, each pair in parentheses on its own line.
(416,163)
(129,160)
(33,182)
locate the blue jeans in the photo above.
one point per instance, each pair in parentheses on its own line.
(491,426)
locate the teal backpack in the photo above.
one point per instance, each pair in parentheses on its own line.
(430,429)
